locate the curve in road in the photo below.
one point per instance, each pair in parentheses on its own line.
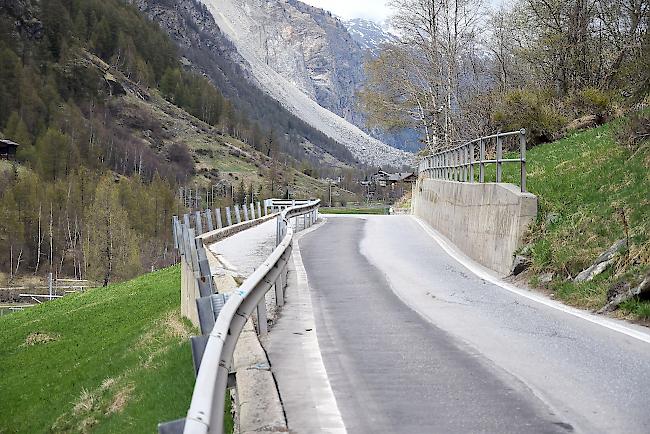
(414,342)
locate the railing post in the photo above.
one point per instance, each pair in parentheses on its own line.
(446,165)
(245,207)
(465,160)
(208,217)
(262,325)
(199,226)
(499,157)
(237,214)
(228,216)
(175,231)
(481,174)
(522,157)
(219,223)
(471,162)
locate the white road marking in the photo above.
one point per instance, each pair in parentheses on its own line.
(484,274)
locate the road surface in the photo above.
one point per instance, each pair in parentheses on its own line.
(414,342)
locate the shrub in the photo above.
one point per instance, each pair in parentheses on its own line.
(634,132)
(534,110)
(591,101)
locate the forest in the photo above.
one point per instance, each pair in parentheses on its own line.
(84,197)
(462,69)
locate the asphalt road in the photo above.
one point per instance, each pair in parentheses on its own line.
(414,342)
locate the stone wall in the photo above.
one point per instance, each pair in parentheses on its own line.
(486,221)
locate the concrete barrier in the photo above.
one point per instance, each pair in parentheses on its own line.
(486,221)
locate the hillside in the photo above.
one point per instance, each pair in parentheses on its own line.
(256,29)
(591,192)
(110,124)
(114,359)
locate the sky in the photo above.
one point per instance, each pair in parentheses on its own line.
(375,10)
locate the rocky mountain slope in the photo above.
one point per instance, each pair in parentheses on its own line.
(369,35)
(302,56)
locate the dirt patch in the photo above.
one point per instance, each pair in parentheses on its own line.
(120,400)
(107,384)
(37,338)
(175,326)
(85,403)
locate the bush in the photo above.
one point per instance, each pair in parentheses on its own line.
(634,132)
(591,101)
(533,110)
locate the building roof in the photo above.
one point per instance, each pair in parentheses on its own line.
(8,142)
(400,176)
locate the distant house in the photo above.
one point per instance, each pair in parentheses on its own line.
(384,179)
(8,149)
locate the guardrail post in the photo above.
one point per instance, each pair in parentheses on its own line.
(279,290)
(237,214)
(278,230)
(262,325)
(218,213)
(259,209)
(175,231)
(471,162)
(199,226)
(186,220)
(499,157)
(228,216)
(253,211)
(481,173)
(522,157)
(245,207)
(205,276)
(208,217)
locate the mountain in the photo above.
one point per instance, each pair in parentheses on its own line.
(304,58)
(369,35)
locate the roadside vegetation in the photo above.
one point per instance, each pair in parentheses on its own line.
(378,210)
(113,359)
(593,189)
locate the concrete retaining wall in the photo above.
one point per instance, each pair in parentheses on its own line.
(486,221)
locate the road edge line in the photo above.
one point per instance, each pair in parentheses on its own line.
(480,271)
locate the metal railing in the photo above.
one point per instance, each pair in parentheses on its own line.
(459,163)
(223,316)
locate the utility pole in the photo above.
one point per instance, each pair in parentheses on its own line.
(330,194)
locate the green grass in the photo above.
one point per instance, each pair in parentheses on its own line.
(342,210)
(585,180)
(111,360)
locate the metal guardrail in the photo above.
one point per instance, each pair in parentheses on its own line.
(458,164)
(223,316)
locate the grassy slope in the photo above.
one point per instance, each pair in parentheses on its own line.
(119,360)
(235,160)
(353,210)
(585,179)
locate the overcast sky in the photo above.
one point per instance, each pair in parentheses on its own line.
(375,10)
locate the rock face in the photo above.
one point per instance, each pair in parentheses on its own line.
(26,24)
(602,262)
(369,35)
(306,60)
